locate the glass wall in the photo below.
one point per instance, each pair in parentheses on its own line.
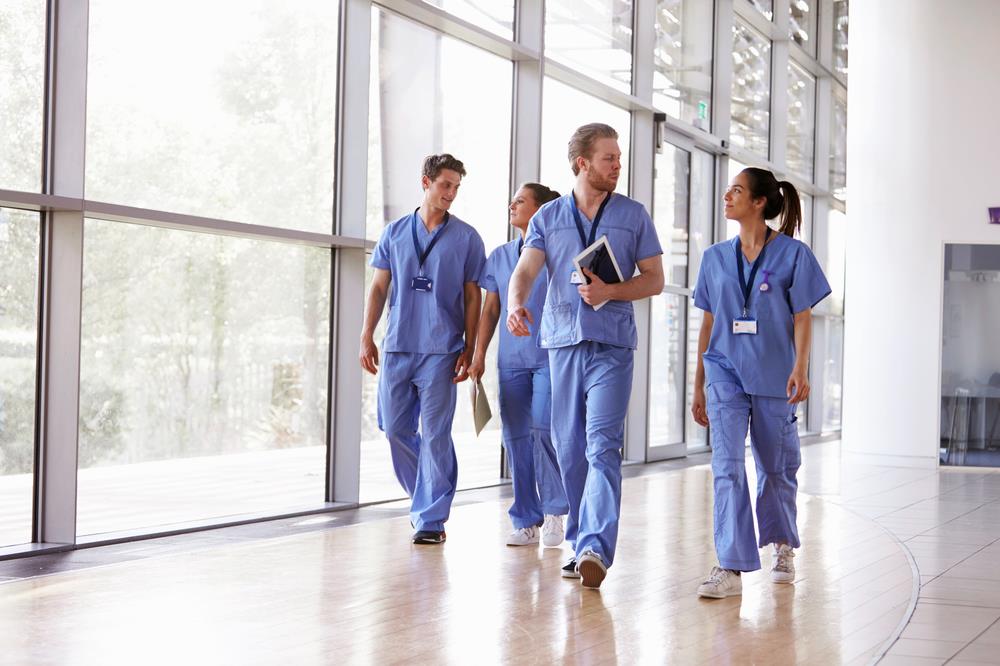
(802,23)
(200,382)
(838,145)
(682,79)
(22,76)
(494,15)
(839,16)
(751,89)
(593,37)
(235,121)
(18,341)
(801,121)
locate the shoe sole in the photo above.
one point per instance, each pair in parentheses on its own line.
(424,542)
(552,544)
(718,595)
(592,574)
(526,543)
(780,579)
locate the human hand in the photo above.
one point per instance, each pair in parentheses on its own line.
(797,388)
(462,367)
(369,355)
(516,321)
(596,292)
(698,410)
(477,368)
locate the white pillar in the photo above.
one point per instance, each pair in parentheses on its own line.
(922,170)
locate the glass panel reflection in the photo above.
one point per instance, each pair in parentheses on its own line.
(765,7)
(494,15)
(838,146)
(801,120)
(751,89)
(203,387)
(970,357)
(22,76)
(226,109)
(802,24)
(840,29)
(700,236)
(594,37)
(682,78)
(833,373)
(666,370)
(18,343)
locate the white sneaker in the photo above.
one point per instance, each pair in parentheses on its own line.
(592,569)
(552,531)
(524,536)
(782,568)
(721,583)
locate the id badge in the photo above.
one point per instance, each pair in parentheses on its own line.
(744,327)
(574,278)
(421,284)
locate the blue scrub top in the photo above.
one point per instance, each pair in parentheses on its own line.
(762,362)
(428,322)
(567,320)
(515,351)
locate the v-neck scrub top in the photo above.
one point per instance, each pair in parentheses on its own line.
(515,351)
(761,363)
(428,322)
(567,320)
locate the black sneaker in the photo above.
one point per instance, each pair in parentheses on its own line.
(569,571)
(429,537)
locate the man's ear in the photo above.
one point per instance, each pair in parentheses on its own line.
(425,182)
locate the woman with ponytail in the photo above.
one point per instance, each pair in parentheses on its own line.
(757,291)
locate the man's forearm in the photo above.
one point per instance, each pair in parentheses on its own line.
(373,311)
(473,301)
(487,325)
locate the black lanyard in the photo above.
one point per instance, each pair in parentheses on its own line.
(753,269)
(597,220)
(421,253)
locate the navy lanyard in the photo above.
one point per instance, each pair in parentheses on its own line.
(421,253)
(597,220)
(753,269)
(520,246)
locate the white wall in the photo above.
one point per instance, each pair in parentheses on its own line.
(923,166)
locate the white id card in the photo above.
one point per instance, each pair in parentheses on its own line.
(574,278)
(744,327)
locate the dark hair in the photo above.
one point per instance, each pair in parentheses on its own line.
(541,193)
(581,144)
(782,198)
(434,164)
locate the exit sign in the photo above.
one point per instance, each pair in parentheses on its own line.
(994,215)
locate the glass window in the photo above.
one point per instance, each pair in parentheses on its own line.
(751,89)
(494,15)
(802,24)
(564,109)
(670,211)
(833,372)
(835,264)
(801,120)
(593,37)
(765,7)
(682,78)
(838,146)
(840,25)
(226,109)
(22,76)
(666,369)
(449,91)
(437,95)
(732,226)
(203,388)
(18,335)
(804,234)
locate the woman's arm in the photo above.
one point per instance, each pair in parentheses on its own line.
(487,326)
(798,382)
(698,401)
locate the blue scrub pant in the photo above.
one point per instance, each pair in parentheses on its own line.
(525,412)
(418,388)
(774,440)
(591,384)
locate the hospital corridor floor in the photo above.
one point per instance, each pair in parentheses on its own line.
(898,566)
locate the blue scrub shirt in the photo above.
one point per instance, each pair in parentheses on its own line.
(761,363)
(515,351)
(428,322)
(567,320)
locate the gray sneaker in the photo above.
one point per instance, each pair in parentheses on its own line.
(782,567)
(552,531)
(721,583)
(592,569)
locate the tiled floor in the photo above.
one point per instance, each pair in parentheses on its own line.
(349,587)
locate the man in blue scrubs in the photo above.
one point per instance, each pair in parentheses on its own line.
(427,265)
(590,349)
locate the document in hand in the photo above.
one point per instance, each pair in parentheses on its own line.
(600,260)
(481,412)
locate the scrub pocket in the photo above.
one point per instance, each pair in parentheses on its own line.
(728,409)
(619,324)
(558,324)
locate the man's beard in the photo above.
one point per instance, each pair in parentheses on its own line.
(601,183)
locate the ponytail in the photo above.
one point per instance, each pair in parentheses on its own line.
(782,198)
(542,194)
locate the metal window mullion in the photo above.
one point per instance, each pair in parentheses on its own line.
(344,411)
(61,275)
(528,83)
(778,131)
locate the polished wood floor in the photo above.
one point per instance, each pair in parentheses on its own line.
(363,594)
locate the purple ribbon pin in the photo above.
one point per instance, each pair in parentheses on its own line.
(764,286)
